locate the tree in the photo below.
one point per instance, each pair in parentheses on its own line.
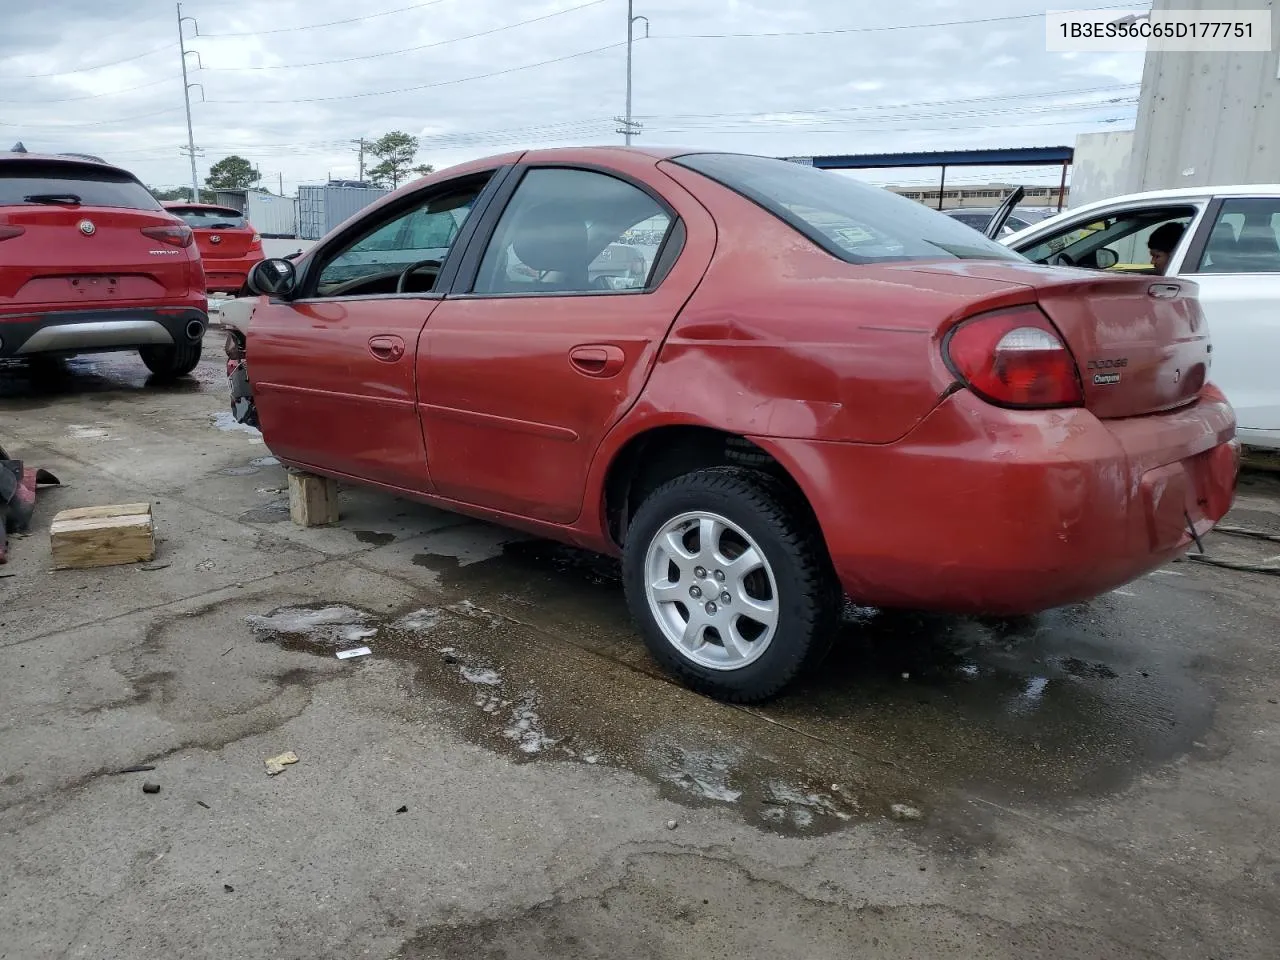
(395,152)
(232,173)
(182,193)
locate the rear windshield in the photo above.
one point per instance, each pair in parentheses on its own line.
(853,221)
(216,219)
(90,186)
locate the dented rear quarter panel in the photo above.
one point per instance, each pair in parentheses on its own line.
(781,339)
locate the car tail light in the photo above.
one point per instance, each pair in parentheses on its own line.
(1014,358)
(257,240)
(8,232)
(178,235)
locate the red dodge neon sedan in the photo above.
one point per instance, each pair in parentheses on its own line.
(228,244)
(817,388)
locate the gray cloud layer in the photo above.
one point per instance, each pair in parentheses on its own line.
(897,89)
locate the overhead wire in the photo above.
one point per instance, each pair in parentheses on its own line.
(328,23)
(97,66)
(414,49)
(877,29)
(433,85)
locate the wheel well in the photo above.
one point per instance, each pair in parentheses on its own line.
(652,458)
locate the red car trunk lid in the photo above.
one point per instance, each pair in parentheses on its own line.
(1141,342)
(73,254)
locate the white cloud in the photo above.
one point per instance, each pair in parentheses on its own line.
(784,95)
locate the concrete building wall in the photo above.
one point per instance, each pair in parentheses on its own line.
(1208,118)
(1100,169)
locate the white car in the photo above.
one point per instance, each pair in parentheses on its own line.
(1230,248)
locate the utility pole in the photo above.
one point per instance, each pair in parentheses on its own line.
(629,127)
(361,143)
(282,183)
(186,99)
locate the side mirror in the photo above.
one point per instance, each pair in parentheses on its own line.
(273,278)
(1106,258)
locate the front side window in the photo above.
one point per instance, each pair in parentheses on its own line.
(419,238)
(850,220)
(573,231)
(1245,238)
(1117,241)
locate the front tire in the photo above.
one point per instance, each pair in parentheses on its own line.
(170,363)
(728,577)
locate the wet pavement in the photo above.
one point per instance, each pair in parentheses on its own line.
(1096,781)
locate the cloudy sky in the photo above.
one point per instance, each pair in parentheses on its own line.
(291,83)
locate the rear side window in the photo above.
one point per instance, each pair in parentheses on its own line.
(1245,239)
(89,185)
(218,219)
(850,220)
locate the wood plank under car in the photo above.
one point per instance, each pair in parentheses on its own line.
(102,536)
(313,501)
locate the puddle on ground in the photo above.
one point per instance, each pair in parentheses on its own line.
(249,469)
(32,384)
(1072,702)
(277,511)
(504,689)
(374,538)
(225,421)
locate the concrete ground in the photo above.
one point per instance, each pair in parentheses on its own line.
(508,777)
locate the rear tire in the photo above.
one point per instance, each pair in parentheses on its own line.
(170,363)
(739,534)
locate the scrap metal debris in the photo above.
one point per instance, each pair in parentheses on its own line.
(18,485)
(277,764)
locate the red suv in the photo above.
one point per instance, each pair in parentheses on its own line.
(229,246)
(91,262)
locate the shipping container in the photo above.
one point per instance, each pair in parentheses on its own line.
(230,198)
(272,216)
(321,208)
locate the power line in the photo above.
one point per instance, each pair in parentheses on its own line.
(330,23)
(1051,123)
(74,124)
(95,96)
(884,29)
(1112,88)
(429,86)
(112,63)
(423,46)
(1022,110)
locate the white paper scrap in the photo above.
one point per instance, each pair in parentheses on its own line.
(356,652)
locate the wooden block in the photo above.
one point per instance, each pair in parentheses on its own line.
(102,536)
(313,501)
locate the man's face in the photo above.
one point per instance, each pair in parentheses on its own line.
(1159,260)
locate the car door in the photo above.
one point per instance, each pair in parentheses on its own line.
(995,225)
(543,345)
(334,368)
(1236,264)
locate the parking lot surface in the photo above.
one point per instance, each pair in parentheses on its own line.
(508,775)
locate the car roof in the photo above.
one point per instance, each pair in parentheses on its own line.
(79,160)
(1187,193)
(1176,193)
